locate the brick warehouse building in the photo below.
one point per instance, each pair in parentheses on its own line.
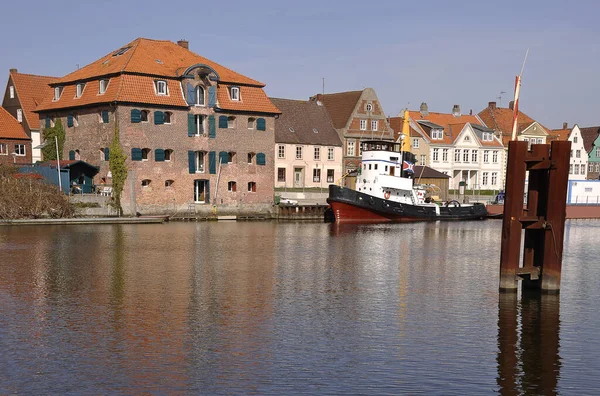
(195,133)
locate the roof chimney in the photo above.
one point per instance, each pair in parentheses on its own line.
(511,105)
(184,43)
(424,109)
(471,112)
(456,110)
(492,105)
(565,125)
(13,70)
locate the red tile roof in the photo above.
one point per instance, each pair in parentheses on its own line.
(558,134)
(10,128)
(397,124)
(501,119)
(154,57)
(445,120)
(133,73)
(340,106)
(31,91)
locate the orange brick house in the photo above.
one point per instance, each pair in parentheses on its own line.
(15,145)
(195,132)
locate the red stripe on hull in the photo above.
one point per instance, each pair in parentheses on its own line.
(346,213)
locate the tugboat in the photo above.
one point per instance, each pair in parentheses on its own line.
(385,192)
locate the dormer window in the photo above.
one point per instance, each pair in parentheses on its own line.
(235,93)
(57,92)
(437,134)
(103,86)
(161,87)
(121,51)
(79,90)
(199,94)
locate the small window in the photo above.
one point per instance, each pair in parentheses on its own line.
(363,125)
(331,173)
(168,154)
(145,154)
(77,155)
(316,175)
(575,139)
(79,90)
(167,117)
(251,186)
(374,125)
(199,93)
(230,157)
(298,152)
(121,51)
(57,92)
(231,122)
(103,86)
(330,154)
(19,149)
(281,151)
(251,158)
(19,115)
(292,130)
(317,154)
(281,174)
(369,106)
(11,89)
(467,138)
(169,183)
(315,130)
(251,122)
(146,183)
(231,186)
(161,87)
(144,116)
(235,93)
(3,149)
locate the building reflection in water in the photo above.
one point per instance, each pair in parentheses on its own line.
(528,344)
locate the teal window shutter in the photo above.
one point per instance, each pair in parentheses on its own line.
(261,124)
(72,155)
(223,157)
(47,122)
(192,161)
(261,159)
(222,121)
(212,96)
(70,120)
(136,116)
(136,154)
(212,130)
(159,118)
(191,125)
(106,154)
(191,94)
(105,116)
(212,163)
(159,155)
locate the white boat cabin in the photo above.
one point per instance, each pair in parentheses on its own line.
(381,174)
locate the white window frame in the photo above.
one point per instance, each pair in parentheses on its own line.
(330,154)
(484,179)
(161,87)
(369,106)
(57,92)
(445,155)
(576,172)
(11,91)
(332,178)
(199,160)
(197,98)
(494,178)
(79,88)
(351,148)
(317,154)
(574,139)
(423,159)
(20,115)
(234,94)
(465,155)
(474,156)
(415,143)
(298,152)
(199,124)
(316,175)
(281,151)
(20,150)
(598,152)
(374,125)
(281,179)
(577,153)
(436,155)
(3,149)
(495,156)
(363,125)
(456,155)
(103,87)
(486,156)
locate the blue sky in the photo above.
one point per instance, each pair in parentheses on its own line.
(439,52)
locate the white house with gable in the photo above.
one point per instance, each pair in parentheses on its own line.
(579,158)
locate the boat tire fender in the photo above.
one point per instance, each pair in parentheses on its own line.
(455,202)
(371,201)
(386,195)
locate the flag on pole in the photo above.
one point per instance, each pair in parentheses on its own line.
(516,107)
(408,166)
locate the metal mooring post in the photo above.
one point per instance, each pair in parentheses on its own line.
(543,218)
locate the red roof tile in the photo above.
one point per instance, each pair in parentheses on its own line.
(444,120)
(558,134)
(501,119)
(340,106)
(251,99)
(31,91)
(10,128)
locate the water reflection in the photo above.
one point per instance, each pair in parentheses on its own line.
(528,344)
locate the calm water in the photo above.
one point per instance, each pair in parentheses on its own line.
(289,308)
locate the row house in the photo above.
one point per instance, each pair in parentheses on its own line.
(308,150)
(356,116)
(458,145)
(24,92)
(15,145)
(195,132)
(591,142)
(578,163)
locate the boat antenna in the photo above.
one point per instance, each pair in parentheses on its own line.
(516,102)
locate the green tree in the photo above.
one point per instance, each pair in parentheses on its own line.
(49,135)
(118,169)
